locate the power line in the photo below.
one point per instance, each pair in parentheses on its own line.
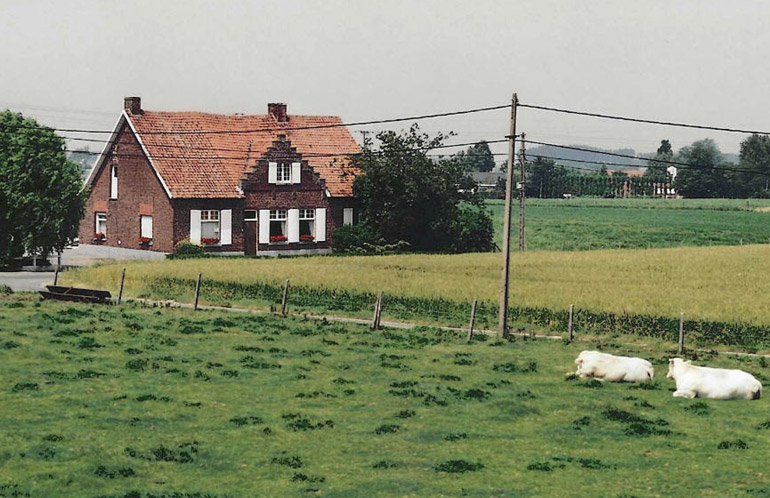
(647,121)
(280,129)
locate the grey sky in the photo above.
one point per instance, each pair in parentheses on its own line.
(694,61)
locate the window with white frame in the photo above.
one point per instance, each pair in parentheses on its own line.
(113,182)
(210,227)
(145,225)
(284,173)
(100,228)
(306,225)
(278,225)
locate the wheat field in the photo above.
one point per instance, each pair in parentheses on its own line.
(727,283)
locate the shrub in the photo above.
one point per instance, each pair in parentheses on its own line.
(186,249)
(458,466)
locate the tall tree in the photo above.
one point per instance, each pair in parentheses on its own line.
(705,176)
(657,169)
(41,192)
(755,157)
(408,196)
(478,157)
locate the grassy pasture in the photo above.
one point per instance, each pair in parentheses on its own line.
(588,223)
(142,402)
(711,283)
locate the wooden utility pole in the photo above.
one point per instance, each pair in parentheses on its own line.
(502,330)
(522,193)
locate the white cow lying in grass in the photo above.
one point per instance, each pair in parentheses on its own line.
(612,368)
(712,383)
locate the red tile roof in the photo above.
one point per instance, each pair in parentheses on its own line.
(195,166)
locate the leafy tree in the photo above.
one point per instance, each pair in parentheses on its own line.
(755,157)
(657,169)
(545,179)
(41,192)
(478,157)
(705,176)
(428,203)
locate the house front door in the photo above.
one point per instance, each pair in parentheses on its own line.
(250,233)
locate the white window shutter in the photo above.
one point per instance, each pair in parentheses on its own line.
(347,216)
(226,227)
(293,225)
(264,226)
(320,225)
(195,226)
(272,173)
(295,173)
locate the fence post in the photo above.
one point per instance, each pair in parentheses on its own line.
(122,279)
(285,297)
(570,323)
(58,265)
(681,334)
(377,308)
(473,320)
(197,291)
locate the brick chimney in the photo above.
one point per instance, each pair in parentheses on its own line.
(133,105)
(278,111)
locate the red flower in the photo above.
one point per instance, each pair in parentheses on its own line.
(278,238)
(210,241)
(99,236)
(306,238)
(145,240)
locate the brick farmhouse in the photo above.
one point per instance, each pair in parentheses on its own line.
(257,185)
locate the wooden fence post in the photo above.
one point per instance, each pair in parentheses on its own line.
(473,320)
(58,265)
(571,321)
(285,297)
(377,311)
(681,334)
(122,280)
(197,291)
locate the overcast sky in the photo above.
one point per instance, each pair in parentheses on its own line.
(69,63)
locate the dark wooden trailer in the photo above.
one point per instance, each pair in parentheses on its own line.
(76,294)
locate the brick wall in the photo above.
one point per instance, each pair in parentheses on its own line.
(139,190)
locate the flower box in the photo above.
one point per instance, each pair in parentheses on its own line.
(99,237)
(278,238)
(209,241)
(306,238)
(145,241)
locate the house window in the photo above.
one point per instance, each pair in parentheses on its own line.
(250,215)
(306,225)
(114,182)
(145,225)
(278,225)
(284,173)
(347,216)
(100,225)
(210,227)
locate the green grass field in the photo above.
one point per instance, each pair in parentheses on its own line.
(139,402)
(589,223)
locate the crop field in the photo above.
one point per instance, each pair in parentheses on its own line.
(719,284)
(590,223)
(153,402)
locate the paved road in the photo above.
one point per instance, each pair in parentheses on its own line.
(26,281)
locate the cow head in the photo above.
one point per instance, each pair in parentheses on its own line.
(673,365)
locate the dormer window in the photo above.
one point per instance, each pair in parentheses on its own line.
(284,173)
